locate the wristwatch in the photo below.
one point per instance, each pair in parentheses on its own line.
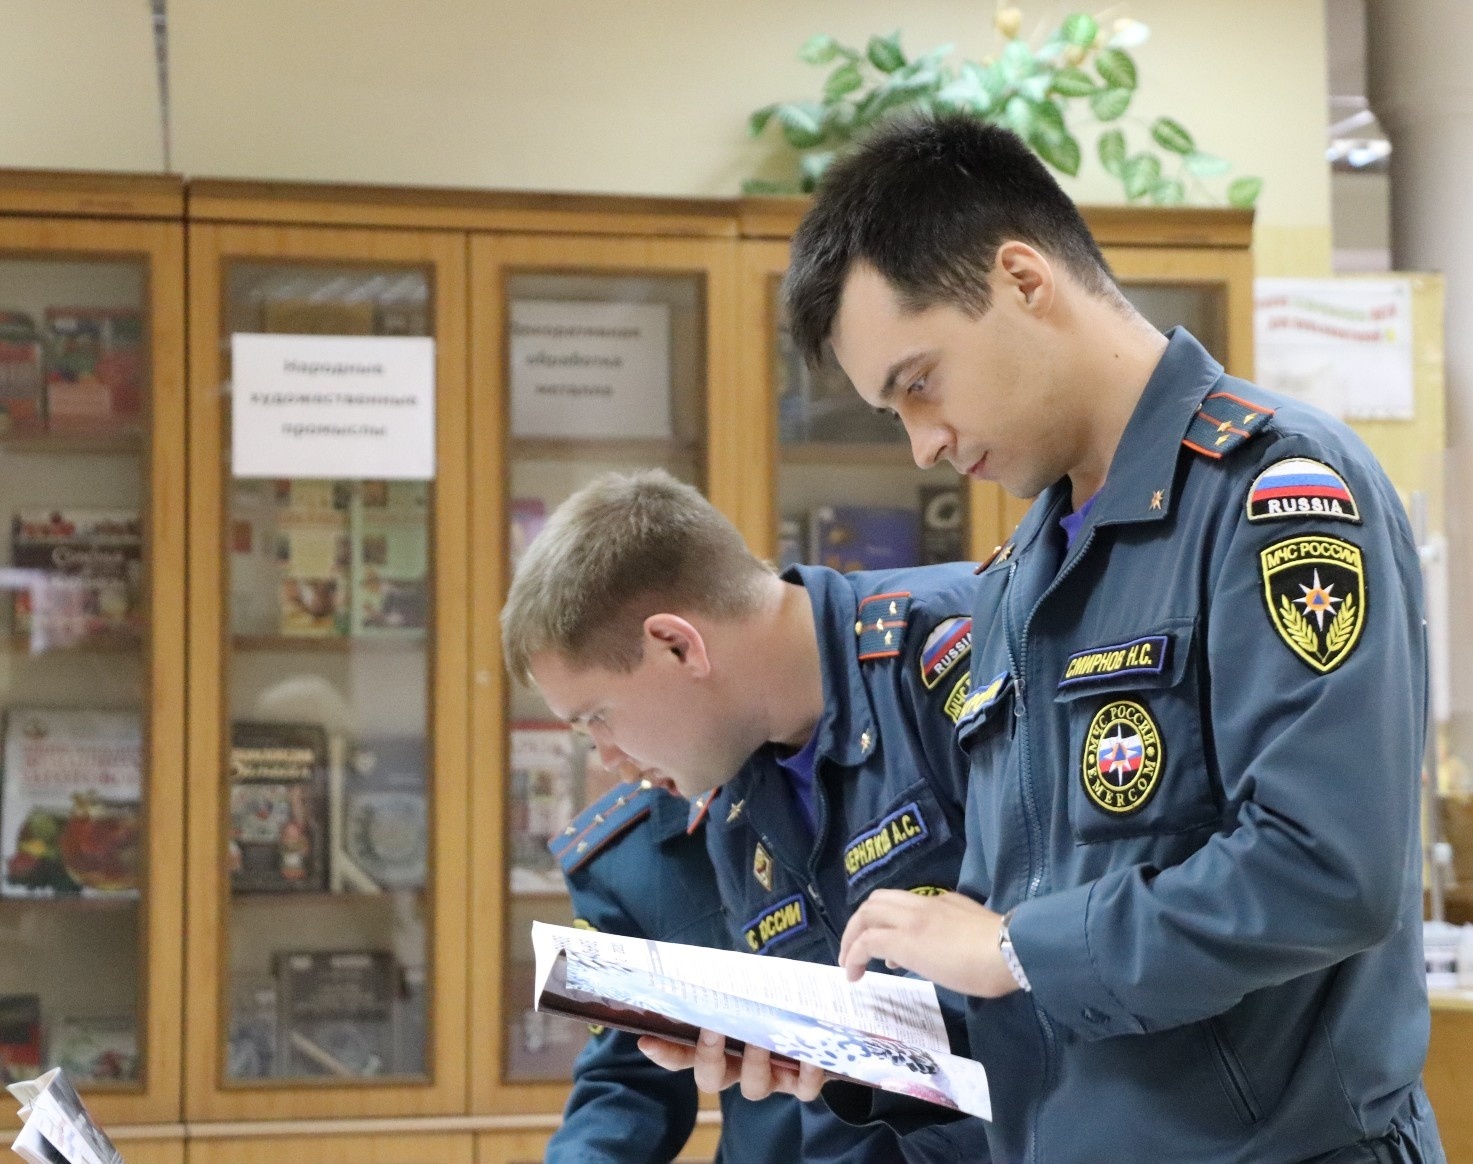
(1009,955)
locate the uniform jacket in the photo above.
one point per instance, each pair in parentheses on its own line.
(632,868)
(890,785)
(1195,749)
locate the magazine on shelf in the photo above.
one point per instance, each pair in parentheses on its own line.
(390,546)
(337,1011)
(278,807)
(95,372)
(57,1127)
(87,566)
(883,1031)
(70,815)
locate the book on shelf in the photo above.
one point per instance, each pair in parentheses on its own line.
(22,375)
(884,1031)
(313,556)
(20,1036)
(252,1049)
(278,802)
(380,820)
(337,1011)
(547,767)
(86,571)
(70,816)
(56,1126)
(390,567)
(943,524)
(95,1047)
(95,369)
(863,537)
(255,607)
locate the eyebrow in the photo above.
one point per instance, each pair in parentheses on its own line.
(898,368)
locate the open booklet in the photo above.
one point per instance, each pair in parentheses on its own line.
(883,1031)
(58,1129)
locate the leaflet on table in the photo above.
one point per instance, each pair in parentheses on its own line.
(883,1031)
(58,1128)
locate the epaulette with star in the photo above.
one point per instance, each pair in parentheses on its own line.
(602,823)
(881,625)
(1223,423)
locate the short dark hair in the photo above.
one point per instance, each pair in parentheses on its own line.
(926,201)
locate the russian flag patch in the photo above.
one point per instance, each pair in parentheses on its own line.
(949,642)
(1301,487)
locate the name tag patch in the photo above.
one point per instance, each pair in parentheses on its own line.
(978,702)
(949,642)
(1300,487)
(1142,656)
(787,919)
(900,831)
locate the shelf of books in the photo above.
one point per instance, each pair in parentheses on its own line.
(327,639)
(591,355)
(91,680)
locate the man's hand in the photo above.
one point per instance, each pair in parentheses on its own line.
(716,1070)
(948,939)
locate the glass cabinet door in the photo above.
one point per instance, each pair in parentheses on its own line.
(847,490)
(328,683)
(91,661)
(589,355)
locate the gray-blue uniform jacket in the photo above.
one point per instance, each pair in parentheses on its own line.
(632,868)
(1195,744)
(890,791)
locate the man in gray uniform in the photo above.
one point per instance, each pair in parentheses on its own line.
(1198,692)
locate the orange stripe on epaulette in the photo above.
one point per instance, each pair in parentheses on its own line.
(1196,448)
(700,806)
(1254,411)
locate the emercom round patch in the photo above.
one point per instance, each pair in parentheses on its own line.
(1123,757)
(1315,587)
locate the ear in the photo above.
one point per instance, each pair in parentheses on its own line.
(1026,274)
(678,639)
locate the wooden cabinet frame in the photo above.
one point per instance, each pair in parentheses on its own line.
(206,1097)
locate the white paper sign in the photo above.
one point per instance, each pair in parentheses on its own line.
(583,369)
(1343,345)
(333,406)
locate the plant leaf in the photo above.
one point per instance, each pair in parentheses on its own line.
(1073,83)
(1243,192)
(759,118)
(1060,151)
(843,80)
(1112,152)
(1017,115)
(1172,135)
(1140,175)
(819,49)
(1048,119)
(1080,28)
(1206,165)
(1116,68)
(768,186)
(1168,192)
(812,167)
(802,123)
(1108,104)
(885,53)
(1017,61)
(1036,87)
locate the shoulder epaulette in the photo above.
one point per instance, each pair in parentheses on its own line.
(881,625)
(1223,423)
(601,823)
(699,805)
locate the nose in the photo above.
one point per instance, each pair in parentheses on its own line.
(928,443)
(611,756)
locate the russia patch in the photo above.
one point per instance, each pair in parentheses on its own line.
(1301,487)
(949,642)
(787,919)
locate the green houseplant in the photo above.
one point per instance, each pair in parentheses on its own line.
(1080,76)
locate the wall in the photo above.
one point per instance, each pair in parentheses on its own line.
(643,96)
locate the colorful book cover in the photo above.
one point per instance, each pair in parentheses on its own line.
(391,536)
(337,1012)
(313,557)
(70,810)
(20,1037)
(384,816)
(88,571)
(96,1048)
(278,826)
(546,772)
(863,537)
(94,376)
(22,374)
